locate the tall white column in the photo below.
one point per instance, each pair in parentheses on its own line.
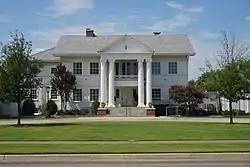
(140,84)
(111,82)
(102,80)
(149,81)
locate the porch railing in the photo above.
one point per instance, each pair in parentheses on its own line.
(126,77)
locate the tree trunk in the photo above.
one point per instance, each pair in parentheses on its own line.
(231,112)
(220,106)
(65,105)
(19,113)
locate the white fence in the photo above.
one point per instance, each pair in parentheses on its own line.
(240,105)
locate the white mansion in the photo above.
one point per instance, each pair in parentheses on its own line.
(120,70)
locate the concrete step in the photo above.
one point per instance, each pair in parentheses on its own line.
(127,111)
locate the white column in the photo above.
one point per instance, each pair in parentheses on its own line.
(111,83)
(149,81)
(102,80)
(140,84)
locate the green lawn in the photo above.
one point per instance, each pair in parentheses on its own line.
(126,148)
(127,131)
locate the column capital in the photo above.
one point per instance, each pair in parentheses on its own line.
(111,60)
(148,60)
(140,59)
(103,59)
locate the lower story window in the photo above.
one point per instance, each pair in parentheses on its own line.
(94,94)
(77,95)
(156,94)
(53,94)
(33,94)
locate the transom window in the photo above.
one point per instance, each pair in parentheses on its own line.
(77,68)
(94,94)
(33,94)
(156,68)
(53,94)
(94,68)
(172,67)
(156,94)
(77,95)
(53,70)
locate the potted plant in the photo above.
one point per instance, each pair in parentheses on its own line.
(150,105)
(102,104)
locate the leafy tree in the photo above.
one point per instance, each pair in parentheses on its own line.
(64,82)
(18,71)
(230,77)
(188,95)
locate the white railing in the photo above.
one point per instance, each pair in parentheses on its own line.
(126,77)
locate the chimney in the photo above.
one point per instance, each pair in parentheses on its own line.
(90,33)
(157,33)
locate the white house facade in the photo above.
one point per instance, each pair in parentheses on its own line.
(119,70)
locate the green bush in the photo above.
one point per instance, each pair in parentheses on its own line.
(73,112)
(49,109)
(28,108)
(95,106)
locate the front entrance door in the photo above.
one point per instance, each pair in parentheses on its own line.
(127,97)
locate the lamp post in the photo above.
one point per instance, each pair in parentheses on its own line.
(47,91)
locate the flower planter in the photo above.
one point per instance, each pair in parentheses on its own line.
(102,112)
(150,111)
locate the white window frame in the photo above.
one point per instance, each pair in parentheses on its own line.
(53,94)
(51,70)
(156,68)
(33,93)
(94,68)
(154,97)
(173,67)
(93,94)
(77,68)
(77,96)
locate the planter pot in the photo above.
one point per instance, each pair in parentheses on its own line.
(150,111)
(102,112)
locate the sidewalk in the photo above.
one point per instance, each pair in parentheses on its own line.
(126,142)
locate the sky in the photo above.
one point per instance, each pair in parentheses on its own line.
(43,21)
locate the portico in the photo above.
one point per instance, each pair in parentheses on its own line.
(109,80)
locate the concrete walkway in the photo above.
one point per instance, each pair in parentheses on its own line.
(103,119)
(127,142)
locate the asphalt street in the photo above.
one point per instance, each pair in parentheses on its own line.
(147,160)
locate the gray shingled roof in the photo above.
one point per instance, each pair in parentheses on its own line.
(47,55)
(162,44)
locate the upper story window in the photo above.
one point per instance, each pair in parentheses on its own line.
(53,94)
(94,68)
(77,68)
(156,68)
(172,67)
(53,70)
(33,94)
(77,95)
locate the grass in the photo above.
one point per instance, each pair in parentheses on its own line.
(126,131)
(126,148)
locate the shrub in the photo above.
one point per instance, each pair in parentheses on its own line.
(95,106)
(49,109)
(28,108)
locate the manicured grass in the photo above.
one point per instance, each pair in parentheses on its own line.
(126,131)
(126,148)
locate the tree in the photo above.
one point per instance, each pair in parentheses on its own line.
(64,82)
(18,71)
(188,95)
(229,77)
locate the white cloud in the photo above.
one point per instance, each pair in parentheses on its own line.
(247,18)
(67,7)
(207,35)
(178,21)
(51,36)
(184,8)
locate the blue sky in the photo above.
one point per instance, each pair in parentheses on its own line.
(43,21)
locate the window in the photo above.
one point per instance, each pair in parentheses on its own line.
(33,94)
(77,95)
(156,68)
(116,68)
(94,94)
(53,94)
(94,68)
(156,94)
(53,70)
(117,93)
(172,67)
(135,69)
(77,68)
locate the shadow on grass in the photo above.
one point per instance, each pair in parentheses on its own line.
(44,125)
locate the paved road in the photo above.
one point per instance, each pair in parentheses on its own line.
(100,119)
(235,160)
